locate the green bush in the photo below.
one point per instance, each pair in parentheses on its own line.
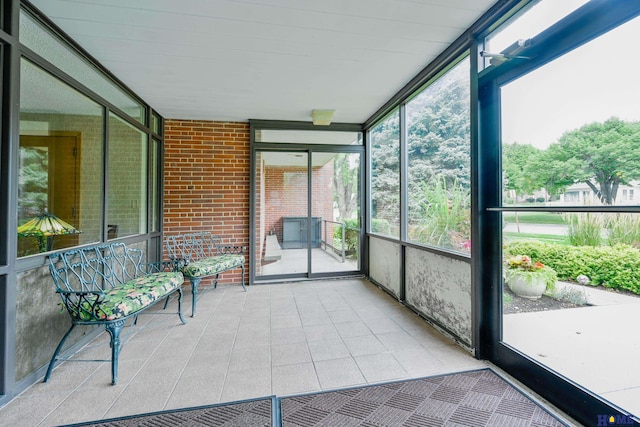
(624,228)
(616,267)
(442,216)
(380,225)
(585,229)
(351,236)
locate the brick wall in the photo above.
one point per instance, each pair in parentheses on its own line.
(206,181)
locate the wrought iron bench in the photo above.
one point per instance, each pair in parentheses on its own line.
(106,285)
(202,255)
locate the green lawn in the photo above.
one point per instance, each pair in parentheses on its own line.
(533,217)
(547,238)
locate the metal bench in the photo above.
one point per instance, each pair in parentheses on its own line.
(106,285)
(202,255)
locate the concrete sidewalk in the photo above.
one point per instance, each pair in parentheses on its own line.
(596,346)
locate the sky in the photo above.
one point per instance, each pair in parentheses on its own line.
(592,83)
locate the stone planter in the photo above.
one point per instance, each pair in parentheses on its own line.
(527,285)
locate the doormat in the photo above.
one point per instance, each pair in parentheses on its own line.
(257,412)
(474,398)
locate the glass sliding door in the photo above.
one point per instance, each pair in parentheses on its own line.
(306,202)
(281,207)
(335,221)
(565,131)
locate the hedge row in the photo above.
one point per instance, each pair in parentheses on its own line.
(616,267)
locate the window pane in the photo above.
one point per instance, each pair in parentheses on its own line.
(127,178)
(155,186)
(385,177)
(47,45)
(591,156)
(60,164)
(308,137)
(156,122)
(439,144)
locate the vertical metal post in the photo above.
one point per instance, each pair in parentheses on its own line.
(343,241)
(325,233)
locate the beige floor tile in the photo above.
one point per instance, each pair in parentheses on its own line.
(380,367)
(339,373)
(294,379)
(326,350)
(290,354)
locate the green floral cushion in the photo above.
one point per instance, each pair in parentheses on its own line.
(132,296)
(213,265)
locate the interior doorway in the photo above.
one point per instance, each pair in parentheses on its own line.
(49,182)
(306,210)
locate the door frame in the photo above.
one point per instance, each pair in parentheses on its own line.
(585,24)
(309,149)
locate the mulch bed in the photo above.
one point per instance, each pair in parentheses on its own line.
(514,304)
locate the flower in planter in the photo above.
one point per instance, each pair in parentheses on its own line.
(524,263)
(525,268)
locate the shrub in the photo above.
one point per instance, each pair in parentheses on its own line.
(442,214)
(380,225)
(351,235)
(585,229)
(624,228)
(616,267)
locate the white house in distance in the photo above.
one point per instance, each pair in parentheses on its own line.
(581,194)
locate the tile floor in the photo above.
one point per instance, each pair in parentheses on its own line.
(275,339)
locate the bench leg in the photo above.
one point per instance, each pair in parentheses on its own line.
(179,291)
(242,283)
(195,281)
(55,354)
(114,330)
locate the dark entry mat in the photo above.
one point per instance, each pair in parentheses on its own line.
(474,398)
(257,412)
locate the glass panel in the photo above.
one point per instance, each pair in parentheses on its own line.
(50,47)
(529,23)
(281,213)
(155,186)
(385,177)
(571,137)
(156,122)
(127,212)
(60,164)
(308,137)
(335,201)
(439,159)
(570,134)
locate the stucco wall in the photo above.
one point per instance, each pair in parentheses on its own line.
(40,323)
(384,264)
(440,288)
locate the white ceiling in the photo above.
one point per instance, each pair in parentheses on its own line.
(264,59)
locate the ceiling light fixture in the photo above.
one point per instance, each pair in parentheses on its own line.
(322,117)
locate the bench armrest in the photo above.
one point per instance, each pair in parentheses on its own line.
(83,305)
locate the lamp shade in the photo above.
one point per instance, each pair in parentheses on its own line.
(46,224)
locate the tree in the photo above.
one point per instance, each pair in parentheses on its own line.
(345,173)
(602,155)
(33,182)
(385,170)
(515,158)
